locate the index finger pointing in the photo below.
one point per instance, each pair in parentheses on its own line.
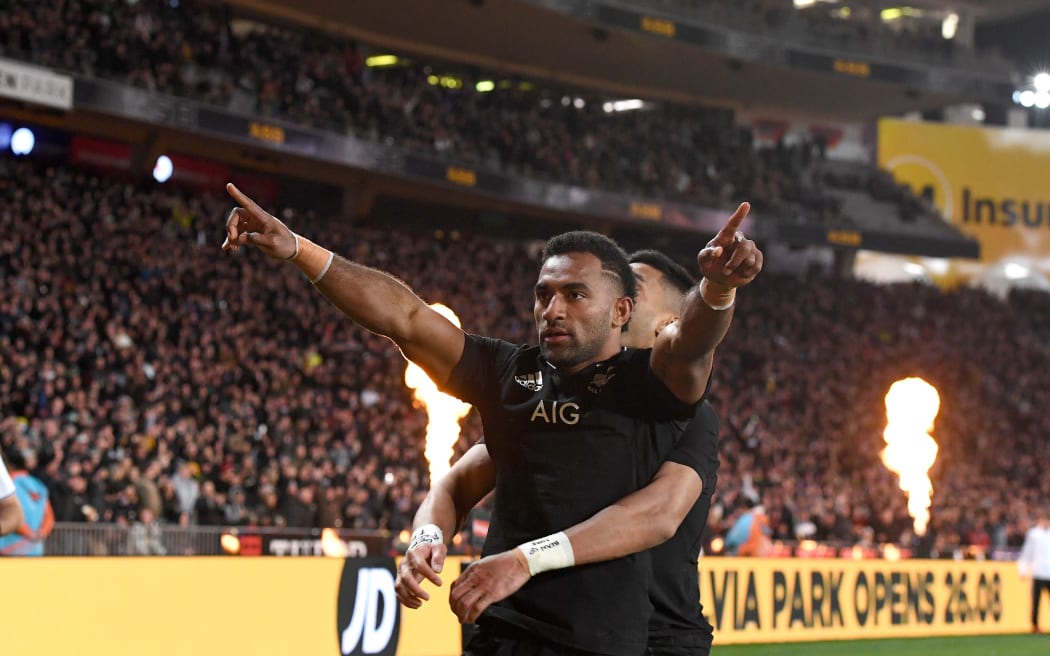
(241,199)
(729,231)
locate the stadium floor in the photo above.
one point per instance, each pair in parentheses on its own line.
(1006,645)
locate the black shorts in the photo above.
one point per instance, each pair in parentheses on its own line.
(681,644)
(502,639)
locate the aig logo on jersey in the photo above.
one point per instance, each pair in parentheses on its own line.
(368,615)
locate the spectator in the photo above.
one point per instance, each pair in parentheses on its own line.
(750,533)
(187,490)
(209,508)
(144,537)
(38,517)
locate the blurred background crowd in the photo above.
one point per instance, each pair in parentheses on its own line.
(143,372)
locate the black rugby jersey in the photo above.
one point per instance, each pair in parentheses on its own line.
(564,448)
(675,586)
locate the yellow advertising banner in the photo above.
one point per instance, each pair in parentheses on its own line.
(990,182)
(790,600)
(268,606)
(215,606)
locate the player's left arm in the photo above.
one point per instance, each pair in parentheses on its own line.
(684,350)
(639,521)
(635,523)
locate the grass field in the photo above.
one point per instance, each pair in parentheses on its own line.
(1008,645)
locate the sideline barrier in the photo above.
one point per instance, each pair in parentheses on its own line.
(263,606)
(215,606)
(794,600)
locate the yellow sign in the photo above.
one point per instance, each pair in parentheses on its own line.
(851,67)
(266,606)
(460,176)
(265,132)
(659,26)
(272,606)
(990,182)
(845,237)
(650,211)
(786,600)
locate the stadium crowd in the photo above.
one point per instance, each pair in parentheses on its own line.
(205,52)
(143,373)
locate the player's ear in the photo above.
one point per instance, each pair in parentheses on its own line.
(622,310)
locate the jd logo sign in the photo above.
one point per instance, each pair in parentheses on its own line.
(368,615)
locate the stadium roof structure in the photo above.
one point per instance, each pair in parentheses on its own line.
(579,42)
(987,10)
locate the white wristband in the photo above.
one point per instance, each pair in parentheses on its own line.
(293,256)
(426,534)
(327,266)
(313,260)
(551,552)
(715,299)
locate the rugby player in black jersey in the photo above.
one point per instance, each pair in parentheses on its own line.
(563,449)
(674,505)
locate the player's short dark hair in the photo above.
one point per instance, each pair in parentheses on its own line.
(675,274)
(612,256)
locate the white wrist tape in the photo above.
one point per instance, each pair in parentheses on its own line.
(716,299)
(327,266)
(426,534)
(293,256)
(312,260)
(551,552)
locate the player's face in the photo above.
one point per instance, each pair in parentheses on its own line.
(650,309)
(579,311)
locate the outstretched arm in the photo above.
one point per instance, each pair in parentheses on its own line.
(372,298)
(684,350)
(441,514)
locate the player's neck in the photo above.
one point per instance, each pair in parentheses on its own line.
(610,350)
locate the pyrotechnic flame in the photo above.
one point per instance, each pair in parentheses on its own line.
(443,412)
(231,544)
(332,545)
(911,406)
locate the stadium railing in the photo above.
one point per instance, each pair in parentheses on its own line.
(97,539)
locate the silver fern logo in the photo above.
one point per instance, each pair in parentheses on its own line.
(600,380)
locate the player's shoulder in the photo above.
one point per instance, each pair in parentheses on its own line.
(634,358)
(506,359)
(706,413)
(480,347)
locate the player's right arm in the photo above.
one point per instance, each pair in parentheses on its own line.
(439,517)
(371,298)
(11,516)
(682,356)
